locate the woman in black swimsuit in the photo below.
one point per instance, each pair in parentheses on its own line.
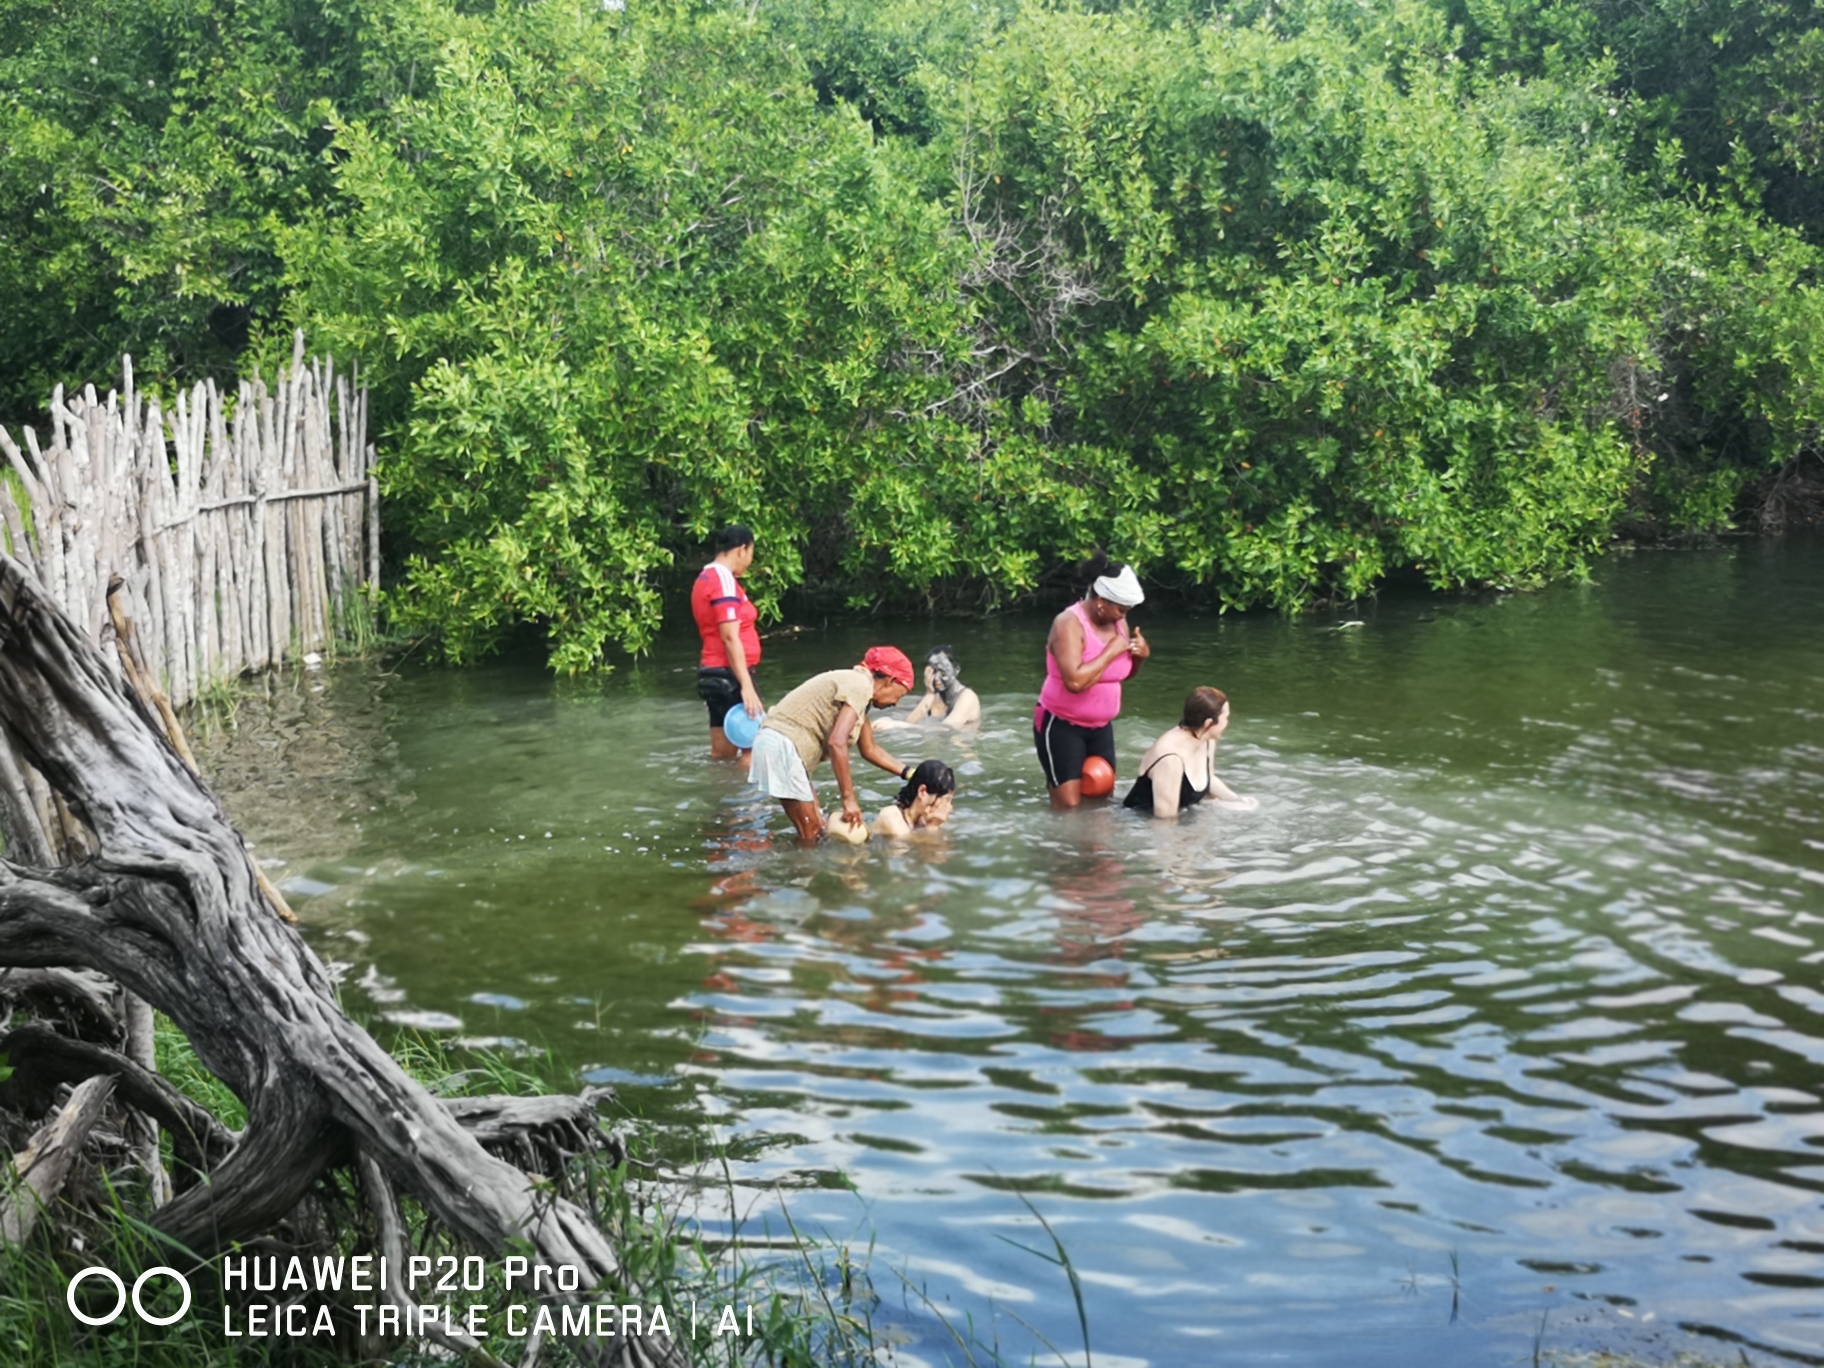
(1180,769)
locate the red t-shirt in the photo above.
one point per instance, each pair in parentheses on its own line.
(718,597)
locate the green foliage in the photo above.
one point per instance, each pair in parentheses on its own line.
(1710,74)
(623,317)
(939,297)
(1377,309)
(146,152)
(178,1063)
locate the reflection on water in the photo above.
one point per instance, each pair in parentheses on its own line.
(1502,1011)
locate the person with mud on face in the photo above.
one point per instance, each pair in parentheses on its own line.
(947,699)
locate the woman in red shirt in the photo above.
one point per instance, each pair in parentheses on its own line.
(731,647)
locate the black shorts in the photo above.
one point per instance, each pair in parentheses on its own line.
(1064,746)
(719,690)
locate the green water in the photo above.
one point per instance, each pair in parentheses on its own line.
(1503,1012)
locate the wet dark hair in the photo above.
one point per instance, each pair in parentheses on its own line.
(934,776)
(731,538)
(1097,566)
(1203,705)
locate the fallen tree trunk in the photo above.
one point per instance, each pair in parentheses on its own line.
(170,909)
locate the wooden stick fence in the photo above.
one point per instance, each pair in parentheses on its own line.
(250,540)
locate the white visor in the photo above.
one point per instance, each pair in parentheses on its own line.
(1122,590)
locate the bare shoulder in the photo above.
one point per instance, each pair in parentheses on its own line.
(1161,747)
(892,822)
(968,710)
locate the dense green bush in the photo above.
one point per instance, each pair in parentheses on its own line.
(147,153)
(940,296)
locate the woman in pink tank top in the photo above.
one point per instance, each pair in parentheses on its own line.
(1089,652)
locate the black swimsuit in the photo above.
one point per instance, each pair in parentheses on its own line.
(1141,794)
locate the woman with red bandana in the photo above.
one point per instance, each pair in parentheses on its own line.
(817,720)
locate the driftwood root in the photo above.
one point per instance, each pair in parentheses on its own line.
(169,907)
(45,1163)
(42,1059)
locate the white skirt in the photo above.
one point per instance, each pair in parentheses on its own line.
(776,768)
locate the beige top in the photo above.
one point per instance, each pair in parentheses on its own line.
(806,714)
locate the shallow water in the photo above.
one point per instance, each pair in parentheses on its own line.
(1499,1023)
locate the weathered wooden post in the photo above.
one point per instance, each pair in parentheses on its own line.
(241,541)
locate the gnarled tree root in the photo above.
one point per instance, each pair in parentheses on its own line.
(169,908)
(41,1059)
(88,1000)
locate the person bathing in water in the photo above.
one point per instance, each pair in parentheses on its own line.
(1087,655)
(818,720)
(922,805)
(1179,771)
(947,698)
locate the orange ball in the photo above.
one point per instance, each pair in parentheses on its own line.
(1098,777)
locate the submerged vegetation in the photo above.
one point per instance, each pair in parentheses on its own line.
(1273,301)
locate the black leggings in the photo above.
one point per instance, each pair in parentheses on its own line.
(1064,746)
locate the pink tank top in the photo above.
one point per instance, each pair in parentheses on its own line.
(1100,702)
